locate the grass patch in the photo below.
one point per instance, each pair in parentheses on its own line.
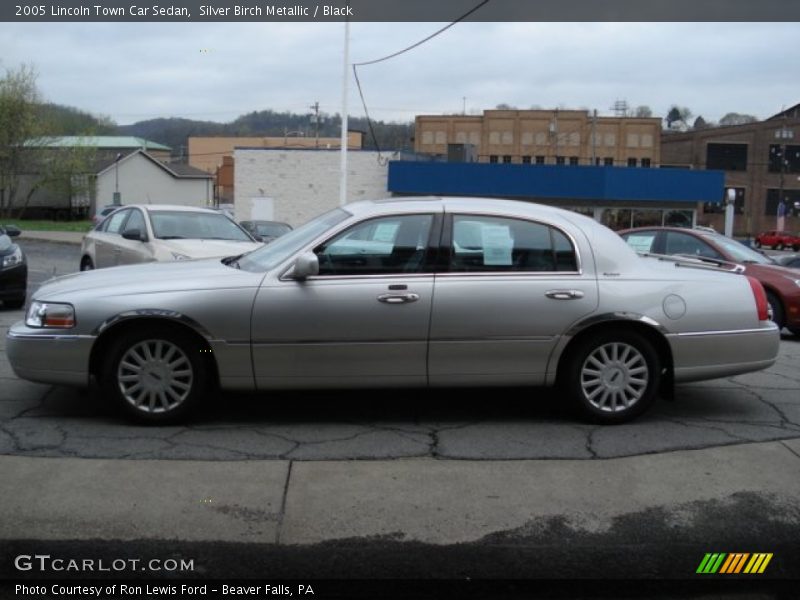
(41,225)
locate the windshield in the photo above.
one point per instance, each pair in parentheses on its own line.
(282,248)
(178,225)
(741,253)
(272,229)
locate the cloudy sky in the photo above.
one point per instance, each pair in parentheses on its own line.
(136,71)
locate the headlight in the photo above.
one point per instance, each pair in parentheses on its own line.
(50,315)
(179,256)
(13,259)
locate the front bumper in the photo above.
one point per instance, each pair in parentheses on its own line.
(713,354)
(13,282)
(48,356)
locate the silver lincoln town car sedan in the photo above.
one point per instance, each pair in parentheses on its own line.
(403,292)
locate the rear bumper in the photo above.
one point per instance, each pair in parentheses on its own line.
(713,354)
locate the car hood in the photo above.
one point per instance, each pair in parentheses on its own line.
(767,271)
(148,278)
(207,248)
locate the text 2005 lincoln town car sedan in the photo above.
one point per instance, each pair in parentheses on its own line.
(403,292)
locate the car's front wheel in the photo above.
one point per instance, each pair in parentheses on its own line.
(155,375)
(612,377)
(15,303)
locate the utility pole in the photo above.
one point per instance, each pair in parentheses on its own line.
(343,149)
(315,108)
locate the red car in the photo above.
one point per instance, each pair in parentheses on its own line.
(781,284)
(778,240)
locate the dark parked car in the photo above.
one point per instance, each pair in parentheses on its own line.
(13,269)
(778,240)
(266,231)
(781,284)
(792,261)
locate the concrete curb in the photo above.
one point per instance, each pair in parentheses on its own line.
(61,237)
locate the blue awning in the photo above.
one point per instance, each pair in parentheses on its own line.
(607,184)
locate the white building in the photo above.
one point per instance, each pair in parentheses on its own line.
(295,185)
(142,179)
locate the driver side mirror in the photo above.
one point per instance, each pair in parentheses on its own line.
(134,234)
(306,265)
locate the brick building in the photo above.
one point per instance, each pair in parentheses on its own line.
(550,137)
(761,162)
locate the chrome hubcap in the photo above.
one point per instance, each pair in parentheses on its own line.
(614,377)
(155,376)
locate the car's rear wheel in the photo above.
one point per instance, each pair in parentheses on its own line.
(778,316)
(778,246)
(612,377)
(155,375)
(758,243)
(87,264)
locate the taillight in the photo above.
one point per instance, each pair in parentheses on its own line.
(762,306)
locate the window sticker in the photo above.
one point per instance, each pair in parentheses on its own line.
(640,243)
(385,232)
(497,245)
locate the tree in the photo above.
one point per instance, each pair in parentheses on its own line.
(678,117)
(27,164)
(19,99)
(504,106)
(733,118)
(700,123)
(643,112)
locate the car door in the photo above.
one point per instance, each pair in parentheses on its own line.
(511,288)
(108,239)
(362,321)
(134,251)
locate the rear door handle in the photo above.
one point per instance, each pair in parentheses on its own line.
(398,298)
(564,294)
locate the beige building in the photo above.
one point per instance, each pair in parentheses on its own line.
(294,186)
(541,137)
(207,153)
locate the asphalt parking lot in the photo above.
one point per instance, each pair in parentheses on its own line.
(452,483)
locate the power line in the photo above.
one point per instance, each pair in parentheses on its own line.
(398,53)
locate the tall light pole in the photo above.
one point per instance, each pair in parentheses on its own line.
(343,152)
(117,198)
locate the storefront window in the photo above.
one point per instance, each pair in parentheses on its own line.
(647,218)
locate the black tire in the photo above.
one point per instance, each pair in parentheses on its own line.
(14,303)
(796,248)
(170,382)
(794,330)
(778,246)
(778,314)
(87,264)
(758,244)
(595,397)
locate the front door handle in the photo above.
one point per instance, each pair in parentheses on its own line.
(564,294)
(398,298)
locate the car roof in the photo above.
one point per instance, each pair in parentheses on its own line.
(471,204)
(173,208)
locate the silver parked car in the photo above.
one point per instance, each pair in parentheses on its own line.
(161,232)
(403,292)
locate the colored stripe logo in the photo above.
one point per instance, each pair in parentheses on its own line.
(734,563)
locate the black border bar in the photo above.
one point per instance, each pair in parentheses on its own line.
(210,11)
